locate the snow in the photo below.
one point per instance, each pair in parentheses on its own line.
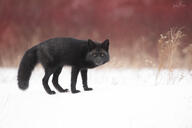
(124,98)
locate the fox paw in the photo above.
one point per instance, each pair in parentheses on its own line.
(75,91)
(64,90)
(51,92)
(88,89)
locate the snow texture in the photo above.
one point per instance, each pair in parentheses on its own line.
(122,98)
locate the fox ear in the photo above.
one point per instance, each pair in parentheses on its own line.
(105,45)
(91,44)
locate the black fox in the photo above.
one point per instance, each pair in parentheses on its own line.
(55,53)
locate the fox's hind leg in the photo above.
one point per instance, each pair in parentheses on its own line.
(45,81)
(84,79)
(55,80)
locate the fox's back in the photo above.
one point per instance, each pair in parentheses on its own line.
(63,43)
(58,50)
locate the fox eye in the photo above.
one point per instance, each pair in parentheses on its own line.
(94,55)
(102,55)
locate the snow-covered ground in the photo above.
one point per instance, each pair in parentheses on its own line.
(122,98)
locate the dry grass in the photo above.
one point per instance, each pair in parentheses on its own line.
(168,49)
(187,57)
(168,46)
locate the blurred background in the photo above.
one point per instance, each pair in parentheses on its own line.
(139,30)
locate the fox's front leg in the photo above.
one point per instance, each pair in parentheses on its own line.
(74,74)
(84,79)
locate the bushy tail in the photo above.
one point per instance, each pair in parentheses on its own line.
(26,66)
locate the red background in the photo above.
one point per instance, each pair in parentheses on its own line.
(122,21)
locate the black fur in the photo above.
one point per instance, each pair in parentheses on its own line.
(55,53)
(26,66)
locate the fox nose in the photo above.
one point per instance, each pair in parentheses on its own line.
(98,61)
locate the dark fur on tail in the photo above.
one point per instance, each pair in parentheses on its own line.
(26,66)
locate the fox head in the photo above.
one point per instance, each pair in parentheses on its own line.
(98,53)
